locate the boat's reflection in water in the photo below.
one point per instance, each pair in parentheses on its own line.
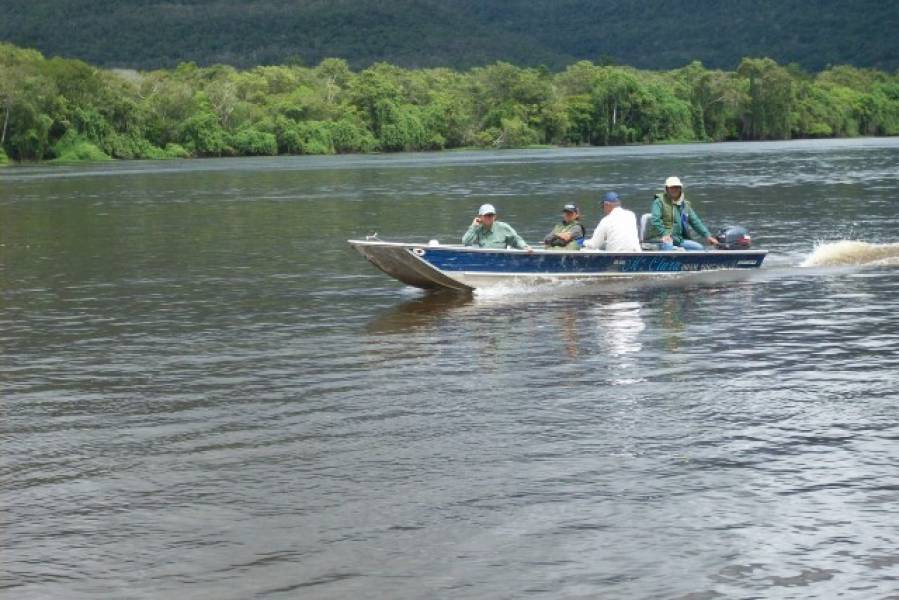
(611,304)
(423,310)
(569,323)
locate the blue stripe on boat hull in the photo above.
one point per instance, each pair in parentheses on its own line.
(451,260)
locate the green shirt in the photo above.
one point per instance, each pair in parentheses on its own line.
(672,219)
(501,235)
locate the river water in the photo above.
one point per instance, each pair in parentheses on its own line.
(207,393)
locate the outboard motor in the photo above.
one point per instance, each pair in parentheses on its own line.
(734,237)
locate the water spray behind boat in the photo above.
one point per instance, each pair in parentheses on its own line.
(845,253)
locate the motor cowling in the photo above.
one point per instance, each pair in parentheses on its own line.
(733,237)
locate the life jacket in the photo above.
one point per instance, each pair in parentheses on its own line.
(576,230)
(675,217)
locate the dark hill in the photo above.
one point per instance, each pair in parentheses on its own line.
(656,34)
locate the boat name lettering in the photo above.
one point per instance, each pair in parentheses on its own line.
(652,263)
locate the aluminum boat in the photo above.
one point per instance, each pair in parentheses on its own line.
(465,268)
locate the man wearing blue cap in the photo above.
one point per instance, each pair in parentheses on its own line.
(565,235)
(617,232)
(486,232)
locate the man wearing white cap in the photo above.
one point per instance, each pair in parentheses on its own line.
(486,232)
(671,216)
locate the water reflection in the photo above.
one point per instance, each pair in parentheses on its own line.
(619,327)
(504,323)
(421,311)
(672,317)
(677,308)
(470,332)
(569,331)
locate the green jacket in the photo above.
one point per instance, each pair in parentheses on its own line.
(672,219)
(501,235)
(574,228)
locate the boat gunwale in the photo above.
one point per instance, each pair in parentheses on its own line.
(578,252)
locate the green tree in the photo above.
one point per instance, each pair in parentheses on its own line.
(376,94)
(619,100)
(767,115)
(252,142)
(717,99)
(201,133)
(349,134)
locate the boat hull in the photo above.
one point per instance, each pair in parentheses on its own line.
(466,268)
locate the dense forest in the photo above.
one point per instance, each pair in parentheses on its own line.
(461,34)
(66,109)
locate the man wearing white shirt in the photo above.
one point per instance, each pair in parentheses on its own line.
(617,232)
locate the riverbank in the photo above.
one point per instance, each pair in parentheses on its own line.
(471,153)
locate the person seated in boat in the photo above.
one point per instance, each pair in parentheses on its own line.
(617,231)
(565,235)
(486,232)
(672,218)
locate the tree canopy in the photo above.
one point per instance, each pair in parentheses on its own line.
(66,109)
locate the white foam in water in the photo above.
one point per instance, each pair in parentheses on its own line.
(852,252)
(514,290)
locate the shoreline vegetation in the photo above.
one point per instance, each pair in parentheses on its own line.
(66,110)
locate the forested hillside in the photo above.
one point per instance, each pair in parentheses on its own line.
(67,109)
(652,34)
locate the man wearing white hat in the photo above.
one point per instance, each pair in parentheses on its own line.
(672,218)
(486,232)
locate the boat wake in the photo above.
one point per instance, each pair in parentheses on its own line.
(531,291)
(852,253)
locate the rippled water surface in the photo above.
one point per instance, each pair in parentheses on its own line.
(207,394)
